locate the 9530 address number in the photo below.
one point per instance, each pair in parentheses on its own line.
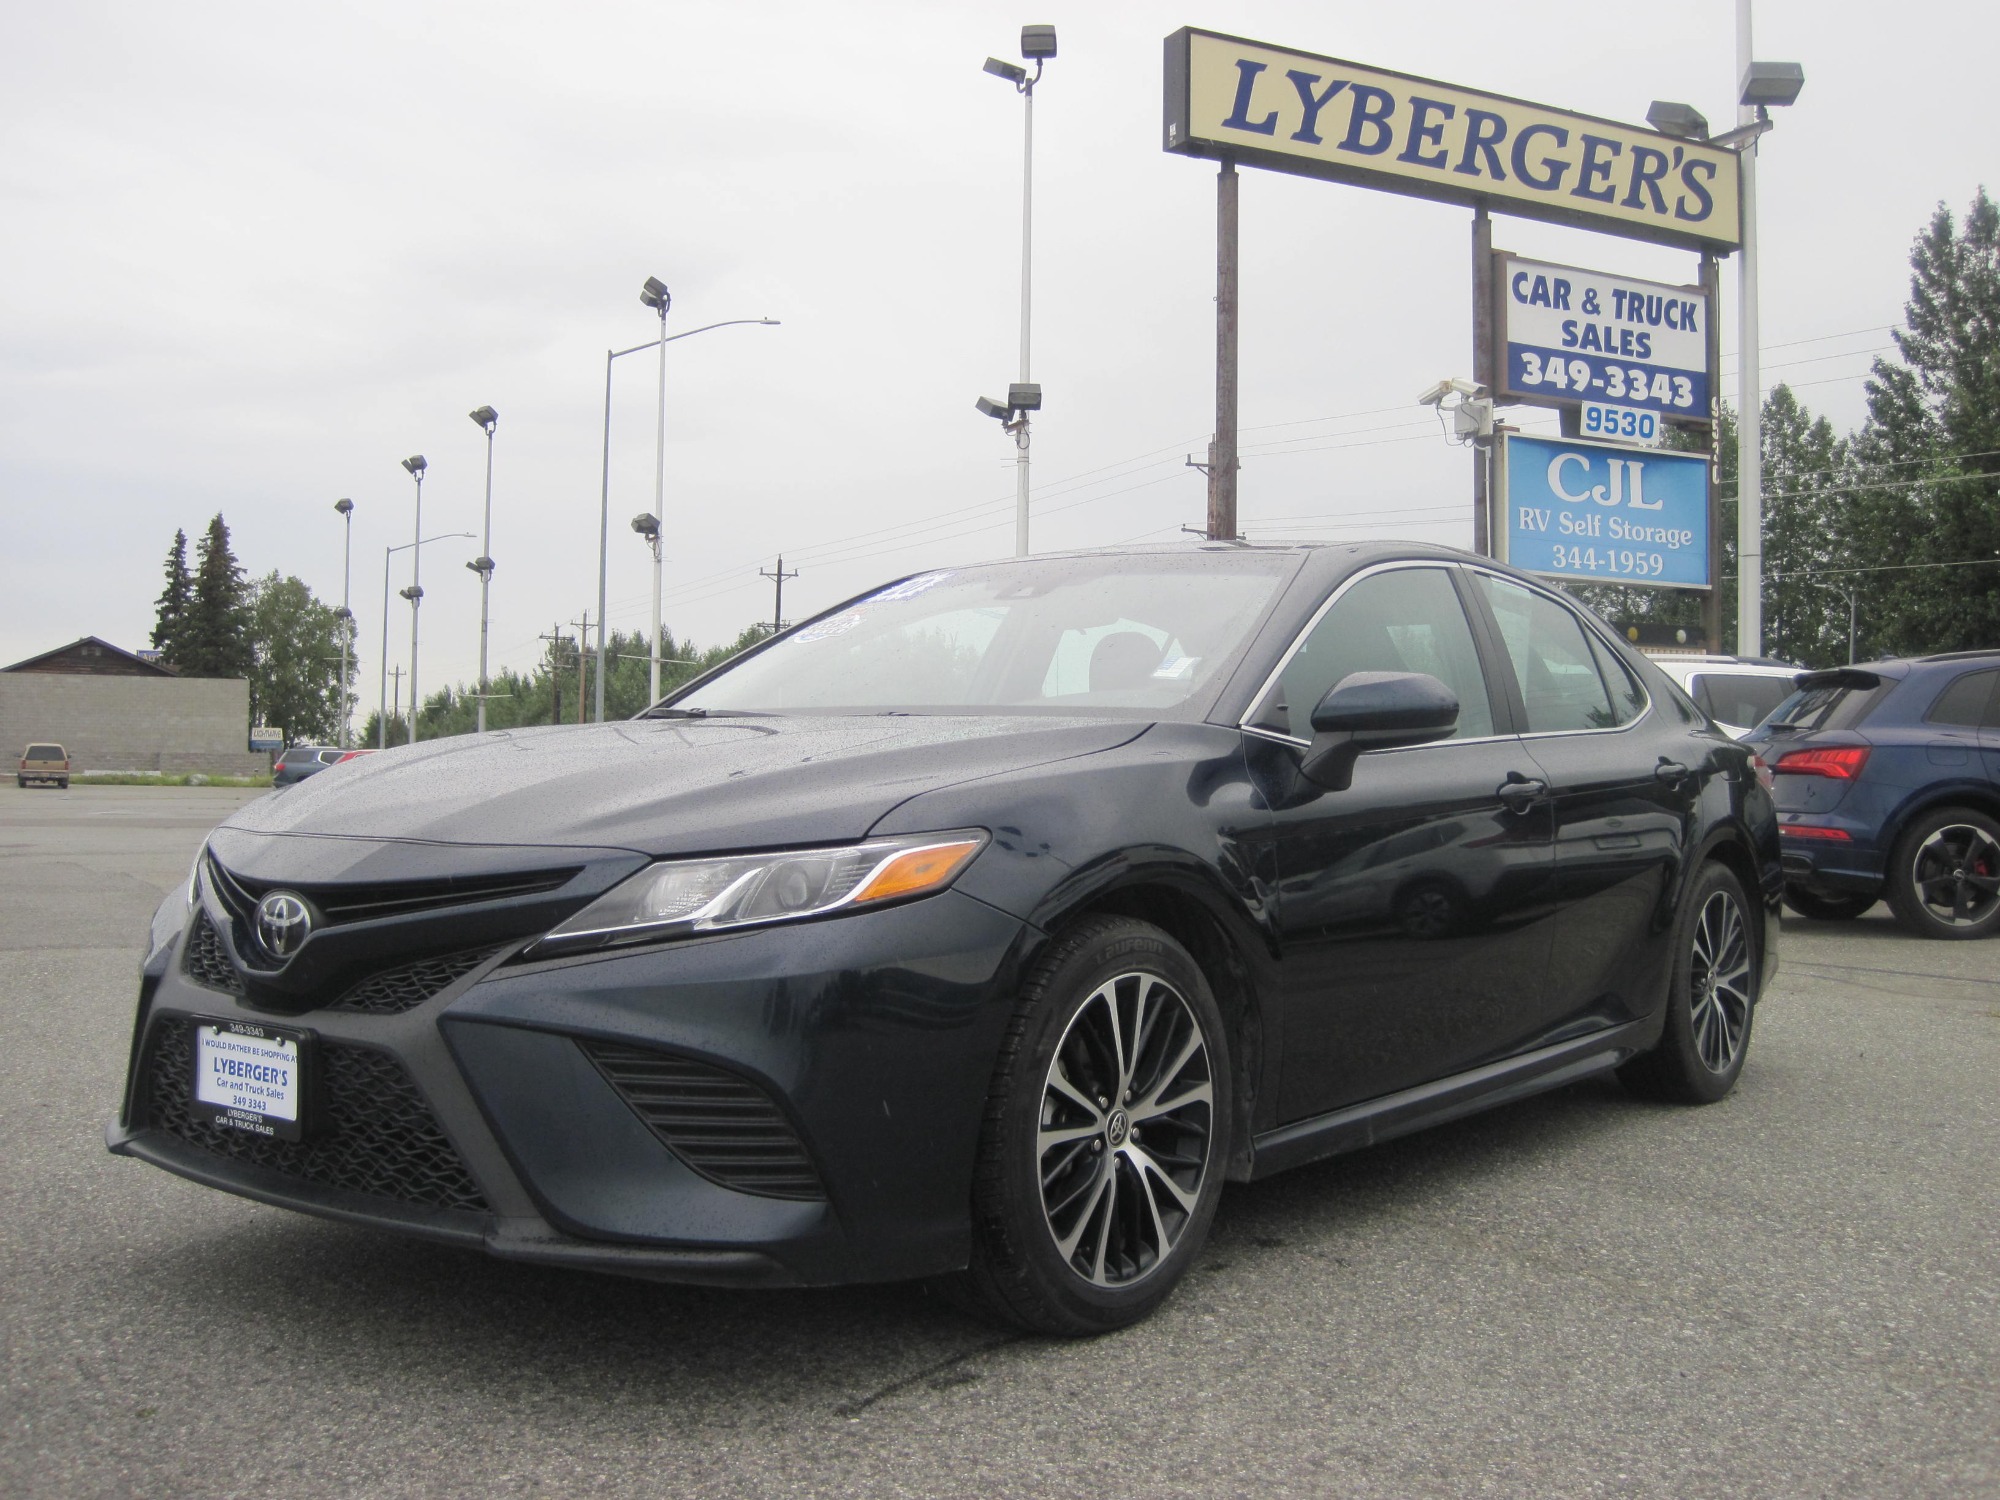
(1614,382)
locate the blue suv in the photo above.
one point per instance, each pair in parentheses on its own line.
(1888,787)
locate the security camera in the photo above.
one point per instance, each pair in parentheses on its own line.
(1447,387)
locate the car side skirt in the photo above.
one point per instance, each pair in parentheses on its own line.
(1429,1104)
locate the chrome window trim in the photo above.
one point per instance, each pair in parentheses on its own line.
(1588,629)
(1371,571)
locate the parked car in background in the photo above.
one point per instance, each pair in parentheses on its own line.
(44,762)
(296,762)
(1888,787)
(1735,691)
(980,926)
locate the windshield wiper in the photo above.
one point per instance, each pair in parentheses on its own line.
(675,713)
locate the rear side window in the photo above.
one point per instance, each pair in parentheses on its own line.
(1967,702)
(1828,706)
(45,752)
(1740,697)
(1553,662)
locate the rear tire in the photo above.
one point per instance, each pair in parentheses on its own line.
(1944,878)
(1106,1134)
(1711,1000)
(1827,908)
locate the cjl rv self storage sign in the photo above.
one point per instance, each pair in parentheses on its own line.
(1602,514)
(1572,336)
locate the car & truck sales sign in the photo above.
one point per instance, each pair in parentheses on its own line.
(1318,116)
(1573,335)
(1602,513)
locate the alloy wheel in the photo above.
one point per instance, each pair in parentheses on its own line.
(1956,873)
(1127,1118)
(1719,978)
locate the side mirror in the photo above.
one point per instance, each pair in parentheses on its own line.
(1375,711)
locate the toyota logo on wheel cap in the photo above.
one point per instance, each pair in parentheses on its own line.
(284,922)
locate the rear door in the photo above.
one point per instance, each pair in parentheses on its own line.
(1624,779)
(1964,731)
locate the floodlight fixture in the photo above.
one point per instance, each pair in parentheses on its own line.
(1772,84)
(1024,397)
(411,592)
(1038,42)
(486,417)
(484,567)
(345,507)
(647,525)
(1014,73)
(656,296)
(1670,117)
(416,463)
(987,407)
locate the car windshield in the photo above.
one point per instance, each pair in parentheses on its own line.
(44,752)
(1133,634)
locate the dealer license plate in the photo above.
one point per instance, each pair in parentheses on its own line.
(250,1077)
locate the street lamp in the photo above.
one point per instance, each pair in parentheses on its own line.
(382,714)
(488,419)
(415,593)
(651,289)
(648,526)
(1763,85)
(1038,45)
(346,509)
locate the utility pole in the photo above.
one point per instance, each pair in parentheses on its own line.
(583,661)
(396,674)
(778,578)
(555,638)
(1222,465)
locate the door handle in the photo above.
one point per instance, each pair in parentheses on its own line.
(1672,772)
(1520,792)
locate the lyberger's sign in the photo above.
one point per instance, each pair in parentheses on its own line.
(1321,117)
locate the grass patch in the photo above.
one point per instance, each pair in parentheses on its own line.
(154,778)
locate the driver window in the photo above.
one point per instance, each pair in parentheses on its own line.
(1406,620)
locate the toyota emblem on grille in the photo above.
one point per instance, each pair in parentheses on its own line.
(284,922)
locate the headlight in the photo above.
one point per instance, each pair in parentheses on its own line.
(680,897)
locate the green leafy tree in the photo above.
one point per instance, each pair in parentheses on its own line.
(295,660)
(214,640)
(174,601)
(1927,482)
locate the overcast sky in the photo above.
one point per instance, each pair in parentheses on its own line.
(252,256)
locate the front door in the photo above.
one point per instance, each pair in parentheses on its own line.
(1413,904)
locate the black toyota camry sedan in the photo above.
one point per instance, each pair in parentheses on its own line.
(979,928)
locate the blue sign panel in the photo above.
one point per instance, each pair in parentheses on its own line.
(1603,514)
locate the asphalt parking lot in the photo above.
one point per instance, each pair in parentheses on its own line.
(1795,1292)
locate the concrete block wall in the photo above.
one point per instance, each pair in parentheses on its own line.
(176,724)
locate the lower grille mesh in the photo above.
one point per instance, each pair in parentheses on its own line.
(373,1133)
(723,1126)
(206,963)
(394,991)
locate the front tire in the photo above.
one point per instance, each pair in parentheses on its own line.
(1711,1001)
(1106,1134)
(1944,878)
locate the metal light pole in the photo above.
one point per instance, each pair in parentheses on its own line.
(346,509)
(648,526)
(1038,45)
(382,713)
(604,497)
(415,592)
(1749,402)
(488,419)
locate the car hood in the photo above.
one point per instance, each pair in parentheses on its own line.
(668,786)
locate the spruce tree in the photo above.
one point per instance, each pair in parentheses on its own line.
(1927,476)
(215,640)
(171,617)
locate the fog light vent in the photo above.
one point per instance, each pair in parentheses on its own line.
(723,1126)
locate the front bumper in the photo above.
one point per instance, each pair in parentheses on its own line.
(504,1113)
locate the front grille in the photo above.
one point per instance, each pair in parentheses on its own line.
(361,903)
(206,962)
(372,1132)
(723,1126)
(394,991)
